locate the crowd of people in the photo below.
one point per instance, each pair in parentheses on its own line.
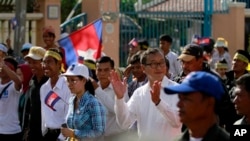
(161,96)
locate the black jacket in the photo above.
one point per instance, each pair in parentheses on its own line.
(215,133)
(224,108)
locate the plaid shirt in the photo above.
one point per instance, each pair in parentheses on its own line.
(133,85)
(89,119)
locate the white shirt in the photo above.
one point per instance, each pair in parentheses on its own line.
(159,122)
(9,120)
(228,59)
(216,58)
(174,64)
(107,98)
(54,119)
(195,139)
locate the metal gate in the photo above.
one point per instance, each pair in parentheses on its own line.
(181,19)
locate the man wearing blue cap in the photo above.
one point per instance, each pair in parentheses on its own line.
(192,60)
(199,93)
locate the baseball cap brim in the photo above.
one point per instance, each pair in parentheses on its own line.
(32,56)
(186,57)
(70,73)
(179,88)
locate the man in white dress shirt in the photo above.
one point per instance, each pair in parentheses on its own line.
(155,112)
(174,64)
(105,93)
(54,95)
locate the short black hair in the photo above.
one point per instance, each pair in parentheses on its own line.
(12,61)
(105,59)
(167,38)
(143,44)
(244,81)
(223,61)
(135,58)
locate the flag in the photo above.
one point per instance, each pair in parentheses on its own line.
(85,42)
(13,22)
(195,39)
(133,43)
(204,41)
(51,99)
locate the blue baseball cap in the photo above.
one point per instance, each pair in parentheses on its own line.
(26,46)
(199,81)
(3,48)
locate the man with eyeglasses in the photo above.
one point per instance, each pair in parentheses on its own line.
(156,113)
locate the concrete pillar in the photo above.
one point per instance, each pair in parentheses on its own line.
(51,10)
(231,26)
(94,10)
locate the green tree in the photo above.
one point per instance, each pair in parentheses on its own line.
(67,6)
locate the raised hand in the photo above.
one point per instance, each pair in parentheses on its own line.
(119,86)
(155,92)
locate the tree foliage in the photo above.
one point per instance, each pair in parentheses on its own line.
(67,6)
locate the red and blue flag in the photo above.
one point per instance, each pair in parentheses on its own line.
(85,42)
(51,99)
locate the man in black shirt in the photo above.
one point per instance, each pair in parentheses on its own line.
(198,95)
(192,60)
(33,102)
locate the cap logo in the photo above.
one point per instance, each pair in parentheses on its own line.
(72,67)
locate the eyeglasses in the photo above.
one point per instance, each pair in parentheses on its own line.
(72,81)
(154,65)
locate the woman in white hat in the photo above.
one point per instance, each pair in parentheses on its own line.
(87,116)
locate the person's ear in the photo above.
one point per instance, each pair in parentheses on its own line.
(143,68)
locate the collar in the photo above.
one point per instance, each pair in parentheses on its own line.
(243,121)
(60,82)
(212,134)
(109,86)
(166,81)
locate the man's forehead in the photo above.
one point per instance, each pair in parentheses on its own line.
(103,65)
(32,60)
(154,56)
